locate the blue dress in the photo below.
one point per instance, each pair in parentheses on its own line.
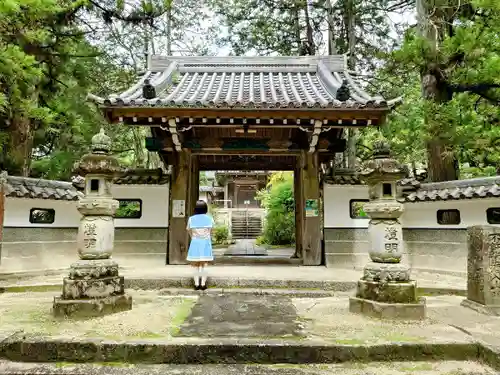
(200,248)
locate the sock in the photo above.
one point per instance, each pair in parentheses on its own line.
(203,276)
(196,277)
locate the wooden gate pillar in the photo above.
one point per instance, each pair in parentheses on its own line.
(311,235)
(299,207)
(182,201)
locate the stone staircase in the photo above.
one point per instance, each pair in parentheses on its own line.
(246,224)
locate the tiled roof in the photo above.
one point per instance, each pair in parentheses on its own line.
(142,177)
(247,82)
(25,187)
(215,189)
(452,190)
(347,179)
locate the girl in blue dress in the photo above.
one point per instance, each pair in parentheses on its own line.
(199,227)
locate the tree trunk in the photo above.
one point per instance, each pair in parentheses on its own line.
(441,157)
(20,146)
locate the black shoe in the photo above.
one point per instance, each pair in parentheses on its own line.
(197,287)
(203,287)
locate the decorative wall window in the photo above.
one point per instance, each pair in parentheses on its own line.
(356,210)
(42,215)
(493,215)
(129,209)
(448,217)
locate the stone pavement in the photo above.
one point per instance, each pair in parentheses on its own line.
(393,368)
(240,328)
(245,247)
(228,275)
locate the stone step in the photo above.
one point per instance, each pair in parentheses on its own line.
(396,368)
(260,260)
(294,293)
(231,282)
(224,350)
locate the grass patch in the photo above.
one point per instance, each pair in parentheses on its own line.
(349,341)
(182,313)
(32,288)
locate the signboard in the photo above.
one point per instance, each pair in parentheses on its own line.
(179,208)
(312,208)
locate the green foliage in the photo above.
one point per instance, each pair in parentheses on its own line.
(278,200)
(128,209)
(220,234)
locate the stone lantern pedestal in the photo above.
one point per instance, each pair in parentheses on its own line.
(386,289)
(94,287)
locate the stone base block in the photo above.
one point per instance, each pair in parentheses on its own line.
(493,310)
(393,292)
(403,311)
(86,308)
(387,272)
(93,269)
(93,288)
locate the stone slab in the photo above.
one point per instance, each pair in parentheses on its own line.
(226,351)
(240,315)
(403,311)
(393,292)
(392,368)
(386,272)
(91,269)
(93,288)
(91,307)
(480,308)
(483,264)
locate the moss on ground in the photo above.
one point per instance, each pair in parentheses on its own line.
(182,313)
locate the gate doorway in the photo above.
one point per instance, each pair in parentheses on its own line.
(247,114)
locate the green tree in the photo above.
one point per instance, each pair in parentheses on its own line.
(278,200)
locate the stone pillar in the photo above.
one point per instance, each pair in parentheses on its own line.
(483,269)
(385,290)
(94,287)
(3,182)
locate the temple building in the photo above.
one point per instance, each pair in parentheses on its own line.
(240,114)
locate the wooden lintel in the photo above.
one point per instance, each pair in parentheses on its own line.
(275,114)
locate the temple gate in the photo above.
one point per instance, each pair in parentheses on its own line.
(247,114)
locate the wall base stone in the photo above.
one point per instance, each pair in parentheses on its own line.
(86,308)
(382,310)
(480,308)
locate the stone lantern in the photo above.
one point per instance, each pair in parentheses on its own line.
(385,290)
(94,287)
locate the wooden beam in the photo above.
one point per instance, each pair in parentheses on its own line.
(311,235)
(267,115)
(3,182)
(299,208)
(179,197)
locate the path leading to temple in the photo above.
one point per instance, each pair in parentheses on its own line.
(286,335)
(226,276)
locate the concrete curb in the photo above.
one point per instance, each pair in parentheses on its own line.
(227,283)
(213,351)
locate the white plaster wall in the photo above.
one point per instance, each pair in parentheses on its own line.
(155,200)
(17,213)
(416,215)
(336,200)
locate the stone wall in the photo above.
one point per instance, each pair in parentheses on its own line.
(30,249)
(436,250)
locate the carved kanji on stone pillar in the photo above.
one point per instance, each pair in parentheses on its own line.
(94,287)
(385,290)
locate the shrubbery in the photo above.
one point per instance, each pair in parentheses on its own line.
(220,234)
(278,200)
